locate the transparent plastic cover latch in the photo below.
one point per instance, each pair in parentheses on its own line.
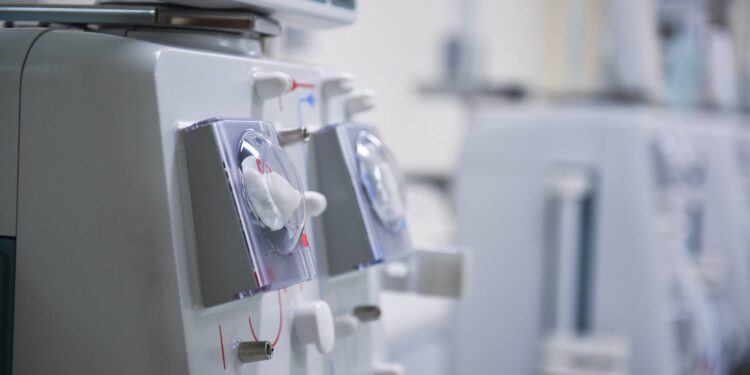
(248,209)
(382,181)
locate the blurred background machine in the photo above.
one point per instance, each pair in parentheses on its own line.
(606,195)
(723,252)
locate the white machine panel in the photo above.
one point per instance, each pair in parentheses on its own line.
(106,247)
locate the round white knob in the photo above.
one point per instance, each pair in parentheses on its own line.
(346,325)
(269,85)
(315,203)
(336,84)
(388,369)
(358,101)
(332,85)
(313,324)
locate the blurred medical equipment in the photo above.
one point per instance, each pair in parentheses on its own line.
(703,43)
(723,256)
(596,217)
(593,214)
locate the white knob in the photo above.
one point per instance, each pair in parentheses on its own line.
(388,369)
(346,325)
(269,85)
(359,101)
(439,271)
(331,86)
(712,269)
(397,270)
(315,203)
(336,84)
(313,324)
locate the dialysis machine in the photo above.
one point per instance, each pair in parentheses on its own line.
(724,257)
(364,225)
(155,218)
(585,244)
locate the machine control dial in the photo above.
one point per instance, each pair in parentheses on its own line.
(313,324)
(357,102)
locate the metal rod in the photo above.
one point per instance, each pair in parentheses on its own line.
(367,313)
(290,136)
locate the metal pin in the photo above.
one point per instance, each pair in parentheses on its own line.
(289,136)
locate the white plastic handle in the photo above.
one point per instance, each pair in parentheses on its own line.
(332,86)
(357,102)
(388,369)
(439,271)
(336,84)
(269,85)
(346,325)
(315,203)
(313,324)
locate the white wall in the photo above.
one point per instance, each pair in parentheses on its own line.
(395,45)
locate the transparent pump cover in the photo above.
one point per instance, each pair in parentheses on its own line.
(273,190)
(382,181)
(248,210)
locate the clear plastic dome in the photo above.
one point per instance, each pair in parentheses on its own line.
(382,181)
(273,190)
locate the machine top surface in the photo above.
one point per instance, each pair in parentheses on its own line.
(143,15)
(300,13)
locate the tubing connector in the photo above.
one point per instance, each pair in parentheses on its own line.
(254,351)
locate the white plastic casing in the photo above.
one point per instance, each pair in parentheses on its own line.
(126,218)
